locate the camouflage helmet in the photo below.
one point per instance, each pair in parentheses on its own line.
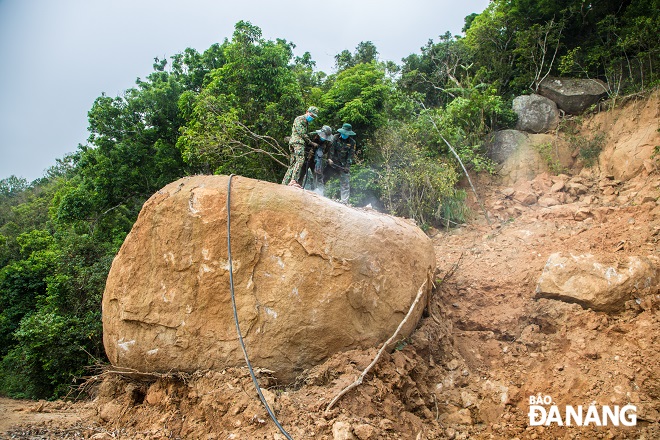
(325,132)
(313,111)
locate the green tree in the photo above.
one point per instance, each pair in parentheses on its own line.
(365,52)
(515,43)
(439,72)
(237,121)
(357,95)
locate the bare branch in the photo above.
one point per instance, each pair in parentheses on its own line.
(360,378)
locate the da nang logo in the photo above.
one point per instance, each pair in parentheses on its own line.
(543,412)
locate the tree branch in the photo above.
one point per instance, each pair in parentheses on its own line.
(360,378)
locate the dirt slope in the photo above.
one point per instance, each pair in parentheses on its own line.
(485,346)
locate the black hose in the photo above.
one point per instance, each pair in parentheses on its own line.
(238,328)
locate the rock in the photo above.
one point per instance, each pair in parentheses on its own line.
(505,143)
(508,192)
(364,431)
(526,198)
(453,364)
(468,399)
(460,417)
(536,113)
(312,278)
(582,214)
(525,193)
(650,165)
(549,201)
(386,425)
(558,186)
(110,411)
(573,95)
(342,431)
(271,400)
(584,280)
(589,200)
(576,189)
(519,157)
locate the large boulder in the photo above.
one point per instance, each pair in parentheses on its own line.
(536,113)
(573,95)
(312,277)
(594,284)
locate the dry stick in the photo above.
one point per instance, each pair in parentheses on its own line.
(358,381)
(451,271)
(462,166)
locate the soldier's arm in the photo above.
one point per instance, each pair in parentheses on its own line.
(300,128)
(349,155)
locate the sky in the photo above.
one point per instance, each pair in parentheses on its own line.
(58,56)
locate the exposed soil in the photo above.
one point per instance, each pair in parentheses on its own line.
(484,347)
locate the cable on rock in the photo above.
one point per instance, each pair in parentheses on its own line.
(238,328)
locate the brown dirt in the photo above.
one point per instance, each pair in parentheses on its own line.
(485,346)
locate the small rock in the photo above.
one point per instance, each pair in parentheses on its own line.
(386,425)
(583,214)
(365,432)
(468,399)
(549,201)
(526,199)
(557,186)
(342,431)
(452,364)
(508,192)
(460,417)
(576,189)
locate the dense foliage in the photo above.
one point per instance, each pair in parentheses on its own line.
(228,109)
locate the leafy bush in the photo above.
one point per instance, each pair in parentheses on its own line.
(412,183)
(589,148)
(364,187)
(549,155)
(453,210)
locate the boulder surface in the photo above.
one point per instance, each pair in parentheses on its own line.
(585,280)
(311,278)
(519,157)
(573,95)
(536,113)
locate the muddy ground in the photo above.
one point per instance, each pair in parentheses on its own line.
(485,346)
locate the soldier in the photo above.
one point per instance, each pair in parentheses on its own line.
(297,143)
(315,159)
(340,159)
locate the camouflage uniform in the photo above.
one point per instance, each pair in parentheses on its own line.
(315,160)
(341,153)
(299,139)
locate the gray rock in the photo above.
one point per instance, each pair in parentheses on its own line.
(505,143)
(536,113)
(573,95)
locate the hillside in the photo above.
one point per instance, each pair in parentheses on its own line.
(487,344)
